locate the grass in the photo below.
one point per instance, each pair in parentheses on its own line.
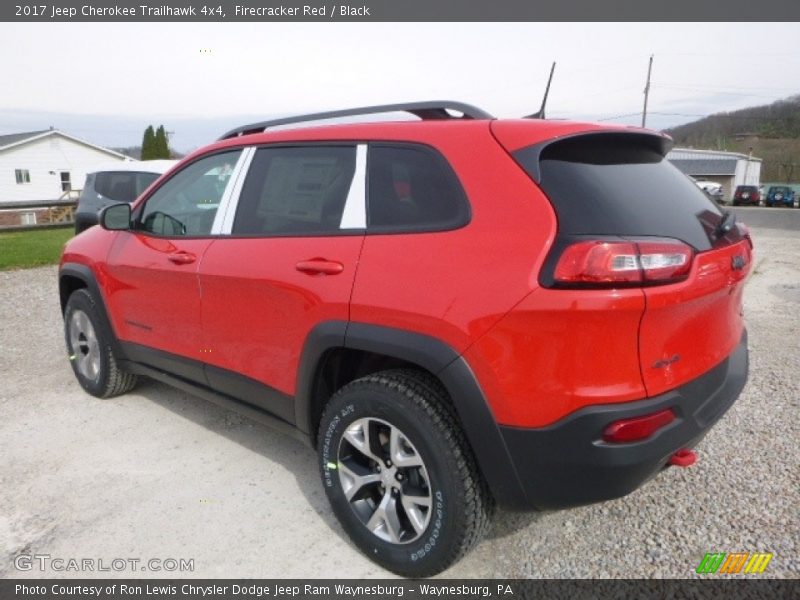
(25,249)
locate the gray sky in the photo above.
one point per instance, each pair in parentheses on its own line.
(107,81)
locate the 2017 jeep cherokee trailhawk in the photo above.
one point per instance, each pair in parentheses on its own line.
(456,312)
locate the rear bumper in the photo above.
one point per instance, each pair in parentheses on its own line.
(568,464)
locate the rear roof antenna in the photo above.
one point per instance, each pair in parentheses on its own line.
(540,114)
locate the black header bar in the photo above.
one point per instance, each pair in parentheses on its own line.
(401,10)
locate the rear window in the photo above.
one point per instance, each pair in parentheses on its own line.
(122,186)
(620,185)
(296,191)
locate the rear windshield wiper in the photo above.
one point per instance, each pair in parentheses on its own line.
(726,223)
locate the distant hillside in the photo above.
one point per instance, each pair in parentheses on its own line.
(136,152)
(771,132)
(132,151)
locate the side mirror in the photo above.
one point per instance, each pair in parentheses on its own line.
(116,217)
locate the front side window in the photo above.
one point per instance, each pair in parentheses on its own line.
(22,175)
(186,204)
(295,191)
(413,188)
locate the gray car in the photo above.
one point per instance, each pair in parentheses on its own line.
(113,183)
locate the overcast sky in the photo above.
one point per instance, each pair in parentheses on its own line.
(106,82)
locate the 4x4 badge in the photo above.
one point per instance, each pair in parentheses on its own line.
(738,262)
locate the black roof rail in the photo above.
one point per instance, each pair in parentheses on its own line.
(430,110)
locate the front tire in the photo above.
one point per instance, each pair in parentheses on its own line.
(89,349)
(399,473)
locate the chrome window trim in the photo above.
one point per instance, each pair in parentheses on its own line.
(223,221)
(354,215)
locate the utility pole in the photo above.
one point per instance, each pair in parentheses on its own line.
(647,91)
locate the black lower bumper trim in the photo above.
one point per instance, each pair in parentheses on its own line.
(568,464)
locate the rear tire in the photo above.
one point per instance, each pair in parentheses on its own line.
(400,475)
(89,349)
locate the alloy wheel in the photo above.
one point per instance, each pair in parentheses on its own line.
(385,480)
(84,345)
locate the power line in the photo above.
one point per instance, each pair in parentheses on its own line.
(721,116)
(732,87)
(718,91)
(636,114)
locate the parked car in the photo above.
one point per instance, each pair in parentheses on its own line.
(438,308)
(780,195)
(748,195)
(115,182)
(712,189)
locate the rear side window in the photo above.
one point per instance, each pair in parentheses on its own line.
(122,186)
(621,185)
(295,191)
(413,188)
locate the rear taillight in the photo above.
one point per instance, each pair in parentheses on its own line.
(637,428)
(606,263)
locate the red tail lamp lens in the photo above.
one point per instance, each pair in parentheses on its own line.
(602,263)
(637,428)
(599,262)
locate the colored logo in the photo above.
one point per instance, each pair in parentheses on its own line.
(736,562)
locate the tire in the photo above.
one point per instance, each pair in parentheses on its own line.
(89,349)
(433,459)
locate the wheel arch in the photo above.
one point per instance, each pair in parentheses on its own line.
(350,344)
(76,276)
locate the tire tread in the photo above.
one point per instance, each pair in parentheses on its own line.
(118,381)
(429,395)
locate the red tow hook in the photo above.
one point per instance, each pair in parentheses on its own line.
(683,458)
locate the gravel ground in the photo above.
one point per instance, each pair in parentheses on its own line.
(159,474)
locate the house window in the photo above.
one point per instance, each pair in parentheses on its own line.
(22,175)
(28,218)
(66,184)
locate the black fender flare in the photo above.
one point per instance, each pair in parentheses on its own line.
(87,276)
(437,357)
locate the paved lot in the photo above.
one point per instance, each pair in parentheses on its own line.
(159,474)
(771,218)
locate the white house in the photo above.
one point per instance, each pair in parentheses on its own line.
(41,166)
(729,169)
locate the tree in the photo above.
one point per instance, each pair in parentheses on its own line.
(148,143)
(161,143)
(155,144)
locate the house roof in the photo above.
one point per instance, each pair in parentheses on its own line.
(694,153)
(16,139)
(706,166)
(13,138)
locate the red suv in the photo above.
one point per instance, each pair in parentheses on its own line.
(456,312)
(747,195)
